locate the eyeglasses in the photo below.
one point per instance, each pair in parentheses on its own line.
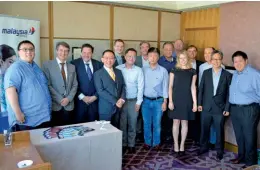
(27,49)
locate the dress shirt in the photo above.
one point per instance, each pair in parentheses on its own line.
(156,81)
(134,80)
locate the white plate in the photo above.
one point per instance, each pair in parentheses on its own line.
(24,163)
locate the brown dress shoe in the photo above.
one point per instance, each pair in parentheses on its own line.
(146,147)
(157,147)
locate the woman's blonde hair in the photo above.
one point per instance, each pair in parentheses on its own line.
(188,65)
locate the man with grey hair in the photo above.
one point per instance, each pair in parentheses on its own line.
(178,47)
(63,85)
(214,106)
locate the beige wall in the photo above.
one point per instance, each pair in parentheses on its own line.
(39,12)
(78,23)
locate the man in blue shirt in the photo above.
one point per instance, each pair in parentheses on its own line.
(244,96)
(167,60)
(134,80)
(28,96)
(156,80)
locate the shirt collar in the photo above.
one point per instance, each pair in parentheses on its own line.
(30,64)
(58,60)
(245,71)
(156,68)
(89,62)
(164,58)
(108,69)
(117,55)
(219,72)
(124,66)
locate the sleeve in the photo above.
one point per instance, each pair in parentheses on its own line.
(13,78)
(173,70)
(165,84)
(140,91)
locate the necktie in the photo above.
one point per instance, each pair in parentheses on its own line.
(89,72)
(112,74)
(63,72)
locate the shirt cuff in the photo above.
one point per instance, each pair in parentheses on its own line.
(81,96)
(139,102)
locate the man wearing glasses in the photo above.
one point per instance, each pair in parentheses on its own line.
(28,97)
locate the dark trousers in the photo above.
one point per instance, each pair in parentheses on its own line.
(194,128)
(85,113)
(61,117)
(166,125)
(23,127)
(245,119)
(115,119)
(215,118)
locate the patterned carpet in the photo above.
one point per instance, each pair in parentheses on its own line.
(165,160)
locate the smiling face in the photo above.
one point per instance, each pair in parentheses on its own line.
(108,59)
(86,54)
(130,57)
(207,54)
(119,47)
(216,61)
(239,63)
(26,52)
(167,50)
(144,49)
(153,58)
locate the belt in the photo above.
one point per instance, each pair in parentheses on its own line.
(244,105)
(133,99)
(153,98)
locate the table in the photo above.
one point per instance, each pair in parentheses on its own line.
(21,149)
(96,150)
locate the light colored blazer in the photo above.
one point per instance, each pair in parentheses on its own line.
(57,87)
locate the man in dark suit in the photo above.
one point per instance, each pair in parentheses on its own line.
(63,84)
(142,61)
(86,98)
(119,46)
(213,101)
(110,86)
(194,132)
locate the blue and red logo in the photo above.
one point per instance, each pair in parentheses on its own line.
(32,30)
(19,32)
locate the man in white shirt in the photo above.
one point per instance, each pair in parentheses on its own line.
(63,84)
(86,97)
(134,80)
(119,46)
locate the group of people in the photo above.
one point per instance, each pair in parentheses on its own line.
(161,93)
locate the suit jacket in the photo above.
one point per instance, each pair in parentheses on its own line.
(139,61)
(85,86)
(206,98)
(57,87)
(116,63)
(198,63)
(109,91)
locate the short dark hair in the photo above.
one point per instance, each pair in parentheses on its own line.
(119,40)
(24,42)
(144,42)
(217,52)
(108,51)
(6,51)
(192,46)
(87,46)
(154,50)
(62,43)
(239,53)
(130,49)
(166,43)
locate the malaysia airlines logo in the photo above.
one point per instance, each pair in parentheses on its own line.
(19,32)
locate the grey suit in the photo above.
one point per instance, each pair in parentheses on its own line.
(139,61)
(57,88)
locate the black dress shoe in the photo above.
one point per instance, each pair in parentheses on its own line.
(219,156)
(181,153)
(200,152)
(146,147)
(124,149)
(211,146)
(131,150)
(157,147)
(236,161)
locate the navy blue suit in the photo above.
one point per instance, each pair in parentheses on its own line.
(85,112)
(109,91)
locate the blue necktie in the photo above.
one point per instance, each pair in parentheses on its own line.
(89,72)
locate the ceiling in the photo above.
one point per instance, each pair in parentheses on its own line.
(172,5)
